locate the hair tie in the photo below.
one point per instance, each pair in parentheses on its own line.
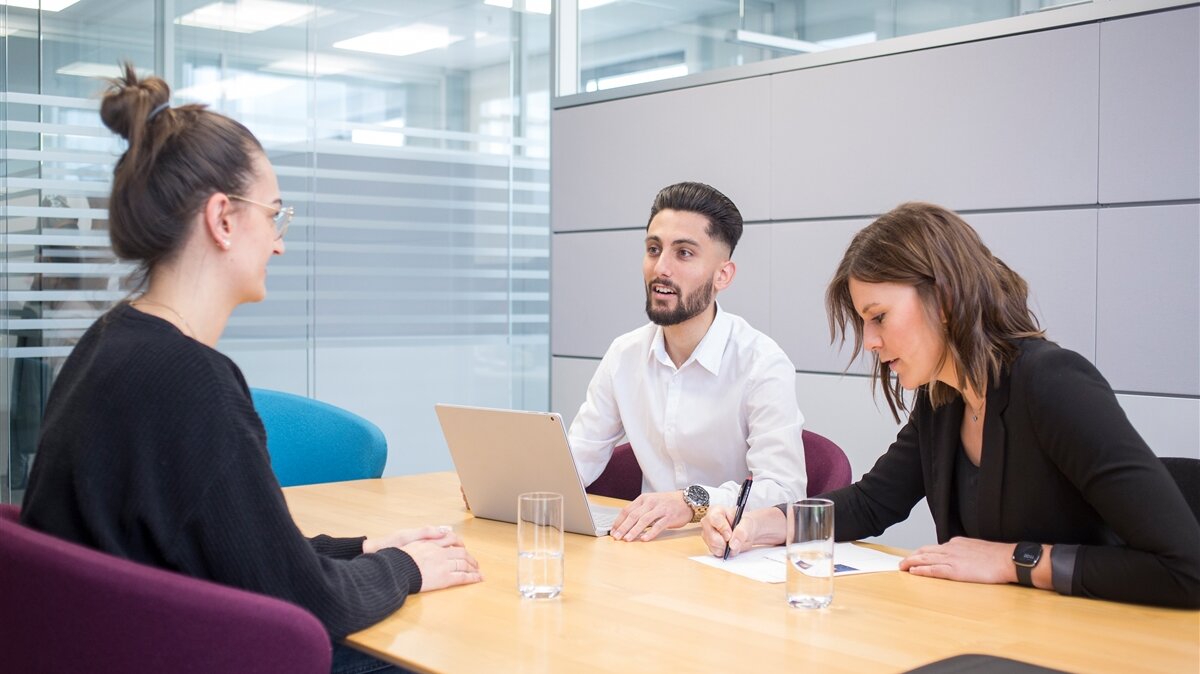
(157,110)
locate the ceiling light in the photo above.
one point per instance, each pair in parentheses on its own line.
(323,64)
(245,16)
(651,75)
(412,39)
(849,40)
(535,6)
(44,5)
(248,85)
(88,69)
(377,137)
(750,38)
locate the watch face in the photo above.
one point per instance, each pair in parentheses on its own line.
(696,496)
(1027,554)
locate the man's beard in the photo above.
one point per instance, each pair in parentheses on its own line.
(686,307)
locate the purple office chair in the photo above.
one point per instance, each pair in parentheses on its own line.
(826,465)
(68,608)
(622,477)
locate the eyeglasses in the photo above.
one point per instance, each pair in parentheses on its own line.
(280,215)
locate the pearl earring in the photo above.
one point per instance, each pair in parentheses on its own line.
(224,243)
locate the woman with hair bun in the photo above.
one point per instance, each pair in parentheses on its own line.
(1032,472)
(150,448)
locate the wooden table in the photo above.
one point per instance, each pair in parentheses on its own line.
(636,607)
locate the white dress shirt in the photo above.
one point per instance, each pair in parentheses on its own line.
(729,411)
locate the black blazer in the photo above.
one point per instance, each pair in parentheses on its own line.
(1061,464)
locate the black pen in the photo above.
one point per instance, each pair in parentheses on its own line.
(743,496)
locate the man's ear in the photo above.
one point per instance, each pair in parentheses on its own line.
(724,275)
(217,227)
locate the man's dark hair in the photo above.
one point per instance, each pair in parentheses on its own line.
(724,219)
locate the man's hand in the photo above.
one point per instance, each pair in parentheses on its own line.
(649,514)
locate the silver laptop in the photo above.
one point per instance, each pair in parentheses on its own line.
(500,454)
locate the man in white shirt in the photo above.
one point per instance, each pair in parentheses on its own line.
(703,398)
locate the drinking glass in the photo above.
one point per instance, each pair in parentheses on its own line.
(810,553)
(540,545)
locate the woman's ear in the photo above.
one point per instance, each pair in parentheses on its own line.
(217,226)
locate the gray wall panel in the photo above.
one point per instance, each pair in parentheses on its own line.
(1021,125)
(622,152)
(1001,123)
(749,294)
(598,290)
(1148,327)
(1055,252)
(1171,426)
(804,256)
(569,378)
(1150,107)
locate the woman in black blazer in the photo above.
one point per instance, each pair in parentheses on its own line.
(1032,472)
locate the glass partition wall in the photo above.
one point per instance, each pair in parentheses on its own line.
(608,44)
(412,138)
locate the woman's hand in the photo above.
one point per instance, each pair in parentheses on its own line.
(965,559)
(443,565)
(443,536)
(765,526)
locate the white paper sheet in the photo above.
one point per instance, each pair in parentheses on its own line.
(769,565)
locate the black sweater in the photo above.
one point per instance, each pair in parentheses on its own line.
(1061,464)
(151,450)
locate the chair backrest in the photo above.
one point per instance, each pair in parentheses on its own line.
(1186,473)
(68,608)
(826,465)
(312,442)
(622,477)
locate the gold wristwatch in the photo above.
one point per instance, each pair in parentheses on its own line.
(696,497)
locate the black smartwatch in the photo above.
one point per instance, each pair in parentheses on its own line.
(1025,557)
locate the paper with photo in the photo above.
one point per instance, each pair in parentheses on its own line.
(769,564)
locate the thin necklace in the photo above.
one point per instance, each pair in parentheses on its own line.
(143,300)
(974,412)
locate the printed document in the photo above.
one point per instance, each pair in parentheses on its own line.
(769,564)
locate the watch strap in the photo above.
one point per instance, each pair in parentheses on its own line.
(1025,575)
(697,499)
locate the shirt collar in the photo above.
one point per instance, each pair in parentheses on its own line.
(708,352)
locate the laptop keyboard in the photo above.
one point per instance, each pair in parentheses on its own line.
(604,516)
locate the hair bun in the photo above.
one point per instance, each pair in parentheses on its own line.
(128,102)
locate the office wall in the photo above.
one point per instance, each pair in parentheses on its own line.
(1075,152)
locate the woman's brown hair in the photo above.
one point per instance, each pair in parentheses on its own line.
(176,159)
(982,303)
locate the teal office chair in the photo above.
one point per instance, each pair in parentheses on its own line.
(312,442)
